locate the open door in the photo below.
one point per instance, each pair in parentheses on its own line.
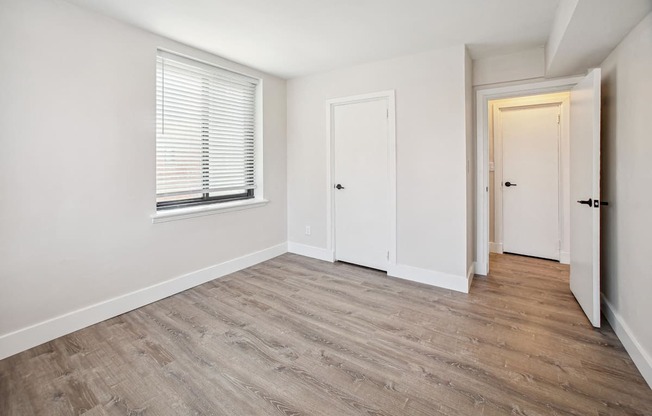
(585,194)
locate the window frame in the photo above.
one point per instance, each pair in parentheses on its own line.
(206,203)
(204,200)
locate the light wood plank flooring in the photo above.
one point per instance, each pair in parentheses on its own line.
(296,336)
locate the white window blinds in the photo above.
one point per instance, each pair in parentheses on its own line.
(205,132)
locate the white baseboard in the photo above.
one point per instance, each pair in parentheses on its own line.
(496,248)
(564,257)
(430,277)
(311,251)
(25,338)
(641,358)
(470,274)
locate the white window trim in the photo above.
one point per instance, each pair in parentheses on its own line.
(174,214)
(208,209)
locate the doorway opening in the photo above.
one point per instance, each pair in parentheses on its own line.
(529,190)
(583,177)
(483,98)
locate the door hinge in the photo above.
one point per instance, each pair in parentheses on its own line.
(558,118)
(388,255)
(387,113)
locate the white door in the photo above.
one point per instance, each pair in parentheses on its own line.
(361,182)
(530,187)
(585,189)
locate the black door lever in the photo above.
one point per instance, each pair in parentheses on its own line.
(508,184)
(588,202)
(339,186)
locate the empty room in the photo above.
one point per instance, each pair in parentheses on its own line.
(311,207)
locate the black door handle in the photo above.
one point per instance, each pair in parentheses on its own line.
(338,186)
(588,202)
(508,184)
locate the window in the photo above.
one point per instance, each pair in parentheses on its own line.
(205,133)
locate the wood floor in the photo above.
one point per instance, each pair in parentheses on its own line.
(296,336)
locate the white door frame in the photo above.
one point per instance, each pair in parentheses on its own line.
(391,154)
(482,98)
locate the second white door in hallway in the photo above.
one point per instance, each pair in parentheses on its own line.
(530,137)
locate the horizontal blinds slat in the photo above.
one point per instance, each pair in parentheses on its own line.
(204,88)
(194,180)
(208,190)
(164,160)
(201,97)
(207,111)
(185,175)
(207,130)
(173,115)
(188,176)
(213,149)
(206,76)
(214,116)
(217,159)
(195,71)
(174,169)
(186,166)
(212,141)
(196,184)
(217,152)
(199,182)
(216,144)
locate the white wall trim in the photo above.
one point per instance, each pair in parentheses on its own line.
(31,336)
(391,152)
(430,277)
(311,251)
(482,98)
(564,257)
(495,247)
(470,274)
(641,358)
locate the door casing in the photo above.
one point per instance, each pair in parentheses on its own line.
(391,152)
(482,98)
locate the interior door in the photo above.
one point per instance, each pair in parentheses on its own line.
(361,188)
(585,189)
(530,188)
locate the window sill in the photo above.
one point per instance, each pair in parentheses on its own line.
(217,208)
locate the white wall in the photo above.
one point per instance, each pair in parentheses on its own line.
(626,179)
(431,154)
(560,24)
(77,167)
(523,65)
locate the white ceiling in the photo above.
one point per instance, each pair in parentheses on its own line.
(291,38)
